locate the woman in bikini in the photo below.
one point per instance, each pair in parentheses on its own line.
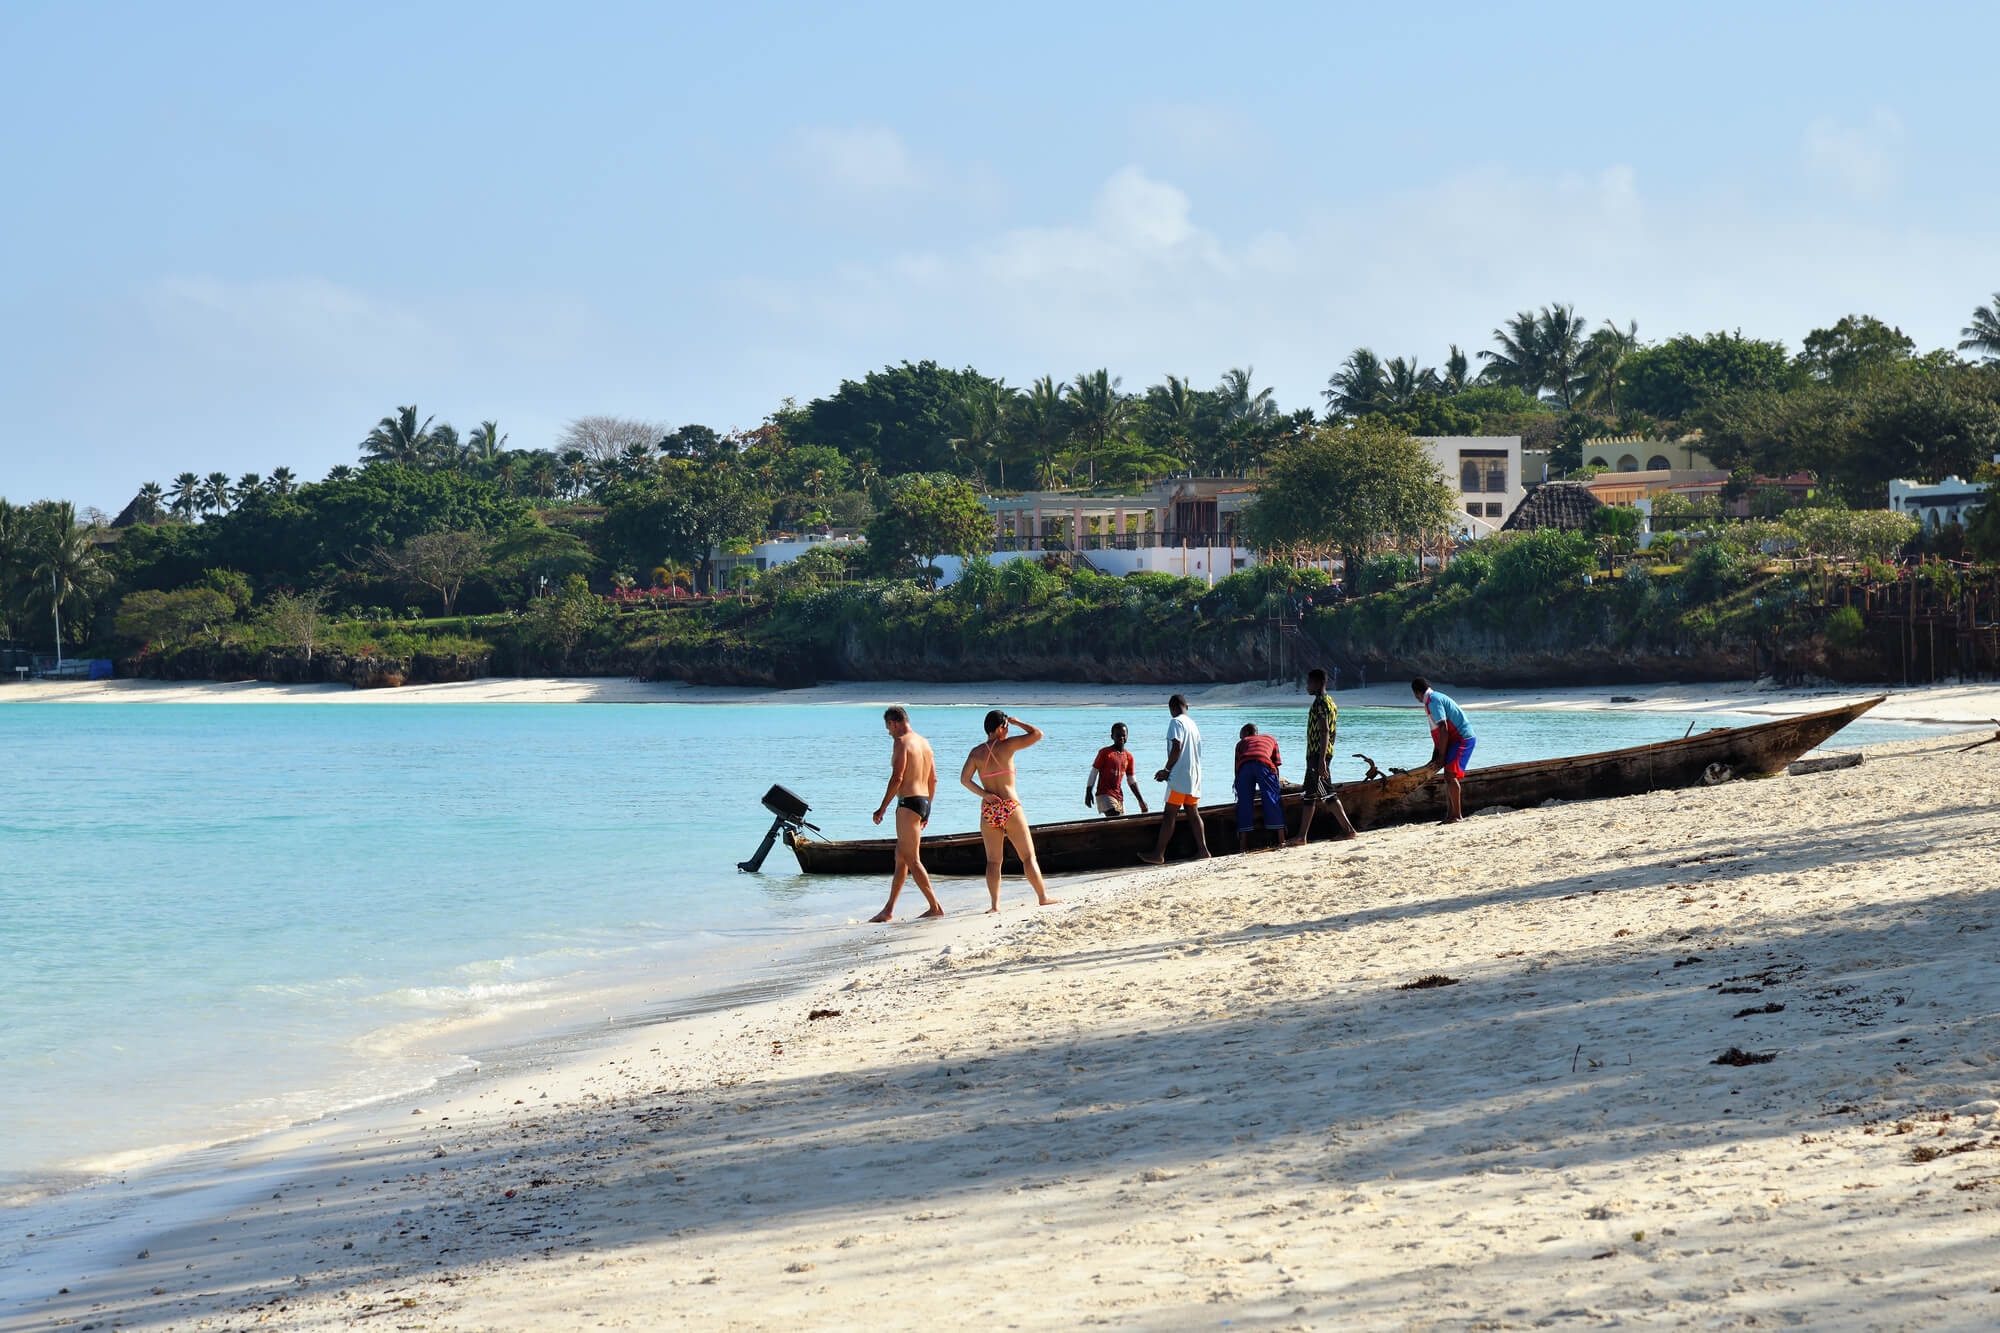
(989,775)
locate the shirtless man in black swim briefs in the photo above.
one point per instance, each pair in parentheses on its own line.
(912,787)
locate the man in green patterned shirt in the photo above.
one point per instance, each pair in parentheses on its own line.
(1322,721)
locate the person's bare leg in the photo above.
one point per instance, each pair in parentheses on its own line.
(1200,833)
(1454,800)
(1023,839)
(895,887)
(1168,814)
(1306,808)
(1340,817)
(909,851)
(996,852)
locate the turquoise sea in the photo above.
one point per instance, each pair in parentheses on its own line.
(220,918)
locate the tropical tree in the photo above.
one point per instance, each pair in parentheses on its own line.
(485,441)
(282,481)
(1517,361)
(1350,486)
(1359,387)
(1603,364)
(983,407)
(1041,418)
(1457,372)
(1857,351)
(1098,414)
(248,487)
(187,497)
(215,493)
(68,572)
(439,562)
(339,472)
(15,561)
(399,438)
(1982,335)
(1560,332)
(1174,418)
(929,515)
(1403,380)
(150,498)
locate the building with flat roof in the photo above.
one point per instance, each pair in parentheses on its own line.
(1950,501)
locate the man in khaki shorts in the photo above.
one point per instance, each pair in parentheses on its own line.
(912,787)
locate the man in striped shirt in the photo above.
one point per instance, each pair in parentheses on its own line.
(1257,779)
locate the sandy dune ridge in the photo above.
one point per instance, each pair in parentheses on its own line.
(1208,1094)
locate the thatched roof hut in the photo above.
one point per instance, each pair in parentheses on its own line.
(1554,504)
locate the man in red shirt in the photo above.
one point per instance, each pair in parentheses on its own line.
(1257,779)
(1112,768)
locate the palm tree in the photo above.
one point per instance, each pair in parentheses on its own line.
(1456,372)
(1359,387)
(69,572)
(150,496)
(984,405)
(1561,336)
(248,487)
(187,497)
(1403,380)
(215,493)
(1176,409)
(1983,333)
(574,471)
(485,441)
(1098,413)
(1519,362)
(1603,364)
(282,481)
(398,438)
(1042,422)
(1239,403)
(339,472)
(14,561)
(635,461)
(542,476)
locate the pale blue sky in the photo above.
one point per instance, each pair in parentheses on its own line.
(234,235)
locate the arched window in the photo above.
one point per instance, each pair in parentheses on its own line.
(1658,463)
(1597,462)
(1468,476)
(1627,463)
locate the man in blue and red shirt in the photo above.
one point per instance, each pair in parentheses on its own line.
(1257,780)
(1451,744)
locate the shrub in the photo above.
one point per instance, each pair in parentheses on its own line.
(1844,629)
(1712,571)
(1537,563)
(1467,569)
(1382,572)
(1026,583)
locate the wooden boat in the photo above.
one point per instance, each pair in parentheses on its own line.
(1404,798)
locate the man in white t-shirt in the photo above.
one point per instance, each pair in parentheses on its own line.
(1183,778)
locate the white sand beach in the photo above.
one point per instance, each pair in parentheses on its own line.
(1209,1095)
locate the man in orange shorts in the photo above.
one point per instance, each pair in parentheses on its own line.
(1183,778)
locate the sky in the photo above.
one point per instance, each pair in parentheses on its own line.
(232,236)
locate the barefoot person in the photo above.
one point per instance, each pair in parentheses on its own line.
(912,786)
(1451,744)
(1109,772)
(1322,721)
(1183,778)
(989,775)
(1257,764)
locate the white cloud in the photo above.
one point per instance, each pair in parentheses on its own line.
(859,160)
(1860,159)
(1137,281)
(294,323)
(1196,134)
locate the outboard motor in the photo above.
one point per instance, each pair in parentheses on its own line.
(790,811)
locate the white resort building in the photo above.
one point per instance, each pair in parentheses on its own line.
(1934,507)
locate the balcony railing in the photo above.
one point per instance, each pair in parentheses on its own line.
(1107,541)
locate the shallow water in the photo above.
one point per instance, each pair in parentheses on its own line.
(216,919)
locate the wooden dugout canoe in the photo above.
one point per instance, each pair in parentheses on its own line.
(1406,798)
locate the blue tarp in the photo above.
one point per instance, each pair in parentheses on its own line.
(100,668)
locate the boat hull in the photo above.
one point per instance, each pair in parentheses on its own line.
(1102,844)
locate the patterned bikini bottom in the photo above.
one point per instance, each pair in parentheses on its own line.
(996,813)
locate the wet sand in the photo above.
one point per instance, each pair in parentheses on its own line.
(1213,1093)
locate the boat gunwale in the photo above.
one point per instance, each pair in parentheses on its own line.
(1852,710)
